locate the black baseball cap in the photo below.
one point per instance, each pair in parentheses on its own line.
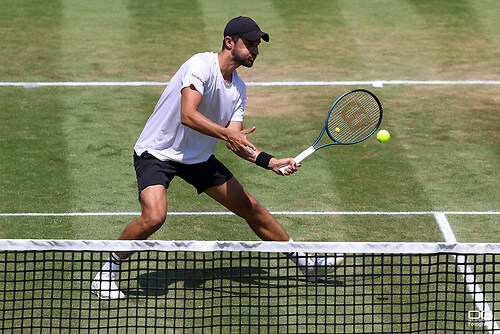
(246,28)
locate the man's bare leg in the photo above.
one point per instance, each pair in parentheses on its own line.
(153,215)
(232,195)
(154,211)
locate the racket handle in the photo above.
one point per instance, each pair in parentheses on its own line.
(299,158)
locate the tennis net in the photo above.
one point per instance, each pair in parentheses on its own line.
(250,287)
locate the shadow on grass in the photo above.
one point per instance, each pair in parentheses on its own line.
(237,281)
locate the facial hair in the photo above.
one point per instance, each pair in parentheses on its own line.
(247,62)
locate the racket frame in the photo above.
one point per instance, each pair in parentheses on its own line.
(311,149)
(325,127)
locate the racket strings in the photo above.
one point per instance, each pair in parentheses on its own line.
(354,117)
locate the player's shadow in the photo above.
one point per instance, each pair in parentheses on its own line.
(160,282)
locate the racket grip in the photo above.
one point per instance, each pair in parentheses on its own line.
(299,158)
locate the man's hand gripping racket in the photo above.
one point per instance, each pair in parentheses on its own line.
(354,117)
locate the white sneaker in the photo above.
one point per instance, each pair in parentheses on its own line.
(104,286)
(318,267)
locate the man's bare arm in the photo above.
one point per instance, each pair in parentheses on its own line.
(191,117)
(274,164)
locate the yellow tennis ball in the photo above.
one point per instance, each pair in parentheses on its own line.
(383,136)
(337,129)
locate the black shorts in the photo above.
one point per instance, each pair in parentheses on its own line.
(152,171)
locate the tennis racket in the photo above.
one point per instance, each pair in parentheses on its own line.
(354,117)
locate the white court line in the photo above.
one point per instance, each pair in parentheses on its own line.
(82,83)
(468,274)
(223,213)
(374,83)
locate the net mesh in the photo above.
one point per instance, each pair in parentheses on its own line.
(250,288)
(354,117)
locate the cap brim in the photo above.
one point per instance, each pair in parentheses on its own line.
(255,35)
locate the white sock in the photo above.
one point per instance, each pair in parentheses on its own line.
(299,258)
(112,264)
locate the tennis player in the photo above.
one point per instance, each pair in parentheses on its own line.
(203,103)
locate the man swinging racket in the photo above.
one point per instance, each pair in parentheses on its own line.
(203,102)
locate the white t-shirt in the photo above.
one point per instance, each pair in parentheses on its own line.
(166,138)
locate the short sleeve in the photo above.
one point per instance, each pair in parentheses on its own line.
(238,114)
(196,73)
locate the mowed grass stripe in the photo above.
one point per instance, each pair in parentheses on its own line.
(95,39)
(30,40)
(386,40)
(457,43)
(33,168)
(486,12)
(450,137)
(337,40)
(164,34)
(310,40)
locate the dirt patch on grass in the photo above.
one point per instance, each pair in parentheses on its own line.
(271,105)
(290,101)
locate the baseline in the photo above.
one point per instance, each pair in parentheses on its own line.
(374,83)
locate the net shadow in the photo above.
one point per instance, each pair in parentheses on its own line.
(160,282)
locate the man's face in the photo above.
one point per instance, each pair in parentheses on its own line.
(245,52)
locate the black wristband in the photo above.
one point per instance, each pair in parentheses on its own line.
(263,160)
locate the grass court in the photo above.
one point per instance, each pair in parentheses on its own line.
(67,150)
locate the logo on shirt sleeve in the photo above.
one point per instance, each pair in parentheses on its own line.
(197,77)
